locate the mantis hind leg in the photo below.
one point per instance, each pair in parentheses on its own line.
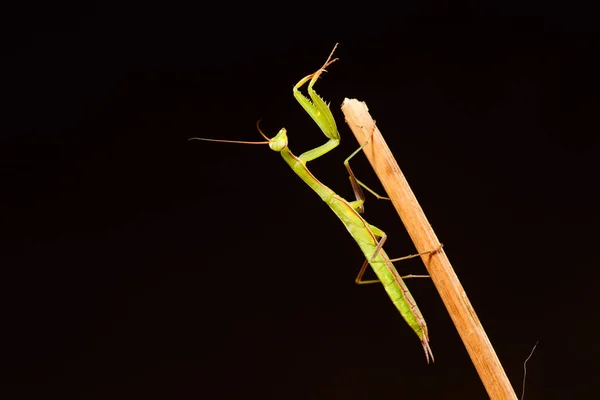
(359,280)
(418,254)
(379,233)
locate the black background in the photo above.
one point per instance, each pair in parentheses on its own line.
(136,264)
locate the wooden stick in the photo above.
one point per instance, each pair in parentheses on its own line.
(451,291)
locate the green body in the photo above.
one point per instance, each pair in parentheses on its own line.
(365,237)
(348,211)
(363,233)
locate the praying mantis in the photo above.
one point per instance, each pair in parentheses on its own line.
(369,238)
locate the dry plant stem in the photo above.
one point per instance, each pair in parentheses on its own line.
(454,297)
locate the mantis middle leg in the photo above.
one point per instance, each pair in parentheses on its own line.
(356,184)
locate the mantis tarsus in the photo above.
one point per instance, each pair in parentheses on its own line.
(365,234)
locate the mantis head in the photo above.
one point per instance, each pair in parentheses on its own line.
(277,143)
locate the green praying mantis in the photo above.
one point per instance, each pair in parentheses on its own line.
(369,238)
